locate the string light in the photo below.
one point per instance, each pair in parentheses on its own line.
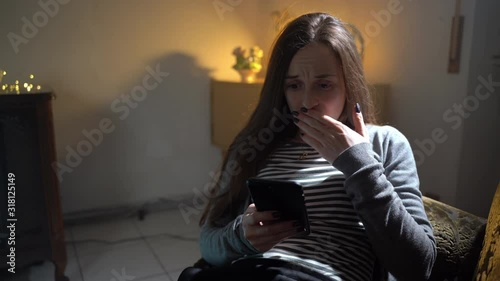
(16,88)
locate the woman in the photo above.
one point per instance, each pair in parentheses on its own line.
(360,181)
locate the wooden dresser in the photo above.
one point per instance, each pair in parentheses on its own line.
(27,150)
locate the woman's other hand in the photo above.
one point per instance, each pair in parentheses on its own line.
(265,229)
(328,136)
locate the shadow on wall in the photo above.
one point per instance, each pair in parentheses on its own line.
(148,143)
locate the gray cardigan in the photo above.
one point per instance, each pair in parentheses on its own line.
(382,182)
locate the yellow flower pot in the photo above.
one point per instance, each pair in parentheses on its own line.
(248,75)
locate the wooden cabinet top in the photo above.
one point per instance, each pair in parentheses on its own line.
(25,97)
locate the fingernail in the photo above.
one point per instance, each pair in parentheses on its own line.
(276,215)
(303,109)
(295,113)
(295,120)
(358,108)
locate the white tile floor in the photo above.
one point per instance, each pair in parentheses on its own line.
(155,249)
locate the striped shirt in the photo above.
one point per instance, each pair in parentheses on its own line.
(337,245)
(381,181)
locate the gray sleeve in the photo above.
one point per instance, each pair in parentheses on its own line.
(387,199)
(221,245)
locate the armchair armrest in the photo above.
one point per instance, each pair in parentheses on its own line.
(459,237)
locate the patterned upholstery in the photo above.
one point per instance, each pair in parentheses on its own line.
(459,237)
(488,268)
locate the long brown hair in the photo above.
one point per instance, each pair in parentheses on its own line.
(245,157)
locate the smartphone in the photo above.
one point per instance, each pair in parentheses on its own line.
(284,196)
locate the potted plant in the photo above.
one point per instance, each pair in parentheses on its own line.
(248,63)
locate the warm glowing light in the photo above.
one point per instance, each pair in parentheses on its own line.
(18,86)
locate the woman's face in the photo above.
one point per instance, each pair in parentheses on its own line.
(315,80)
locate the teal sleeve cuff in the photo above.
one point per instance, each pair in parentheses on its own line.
(249,248)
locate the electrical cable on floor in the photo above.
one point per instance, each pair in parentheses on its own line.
(140,211)
(174,236)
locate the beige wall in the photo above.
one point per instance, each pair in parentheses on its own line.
(479,170)
(92,52)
